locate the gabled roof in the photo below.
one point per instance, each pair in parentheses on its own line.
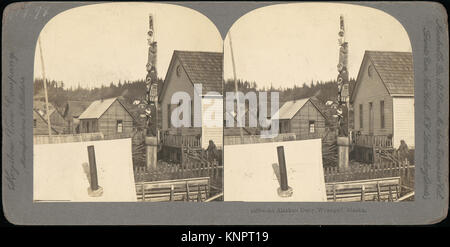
(36,115)
(40,108)
(290,108)
(98,107)
(201,67)
(395,69)
(75,108)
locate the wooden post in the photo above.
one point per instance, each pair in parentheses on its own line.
(151,146)
(378,191)
(363,196)
(143,191)
(187,192)
(94,189)
(343,144)
(171,192)
(390,194)
(284,190)
(334,192)
(235,85)
(199,194)
(92,167)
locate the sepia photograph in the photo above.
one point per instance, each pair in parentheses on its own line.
(109,82)
(319,105)
(218,113)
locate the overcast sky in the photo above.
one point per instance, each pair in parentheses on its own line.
(295,43)
(96,44)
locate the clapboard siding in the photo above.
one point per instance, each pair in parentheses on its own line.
(57,121)
(40,126)
(299,124)
(175,84)
(107,123)
(372,89)
(403,120)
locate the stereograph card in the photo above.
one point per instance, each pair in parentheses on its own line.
(225,113)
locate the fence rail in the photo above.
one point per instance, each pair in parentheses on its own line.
(379,170)
(46,139)
(248,139)
(188,169)
(181,140)
(373,141)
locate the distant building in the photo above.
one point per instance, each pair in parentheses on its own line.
(57,121)
(186,69)
(303,118)
(383,98)
(108,116)
(71,112)
(40,126)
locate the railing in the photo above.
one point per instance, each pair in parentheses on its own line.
(379,170)
(46,139)
(373,141)
(249,139)
(189,169)
(192,189)
(171,140)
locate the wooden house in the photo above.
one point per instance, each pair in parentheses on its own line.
(187,68)
(108,116)
(303,118)
(57,121)
(383,98)
(40,126)
(71,112)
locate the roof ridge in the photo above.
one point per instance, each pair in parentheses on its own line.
(216,52)
(389,51)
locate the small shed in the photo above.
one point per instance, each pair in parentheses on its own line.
(303,118)
(383,98)
(108,116)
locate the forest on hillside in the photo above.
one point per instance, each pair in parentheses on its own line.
(59,94)
(322,90)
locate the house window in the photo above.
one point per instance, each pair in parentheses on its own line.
(87,127)
(312,126)
(34,123)
(382,114)
(119,126)
(361,116)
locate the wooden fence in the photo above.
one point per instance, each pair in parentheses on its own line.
(379,170)
(249,139)
(372,141)
(379,189)
(188,169)
(192,189)
(181,140)
(46,139)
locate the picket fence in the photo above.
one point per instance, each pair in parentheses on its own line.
(382,169)
(188,169)
(249,139)
(46,139)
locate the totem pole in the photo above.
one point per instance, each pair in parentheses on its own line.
(342,80)
(343,141)
(151,99)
